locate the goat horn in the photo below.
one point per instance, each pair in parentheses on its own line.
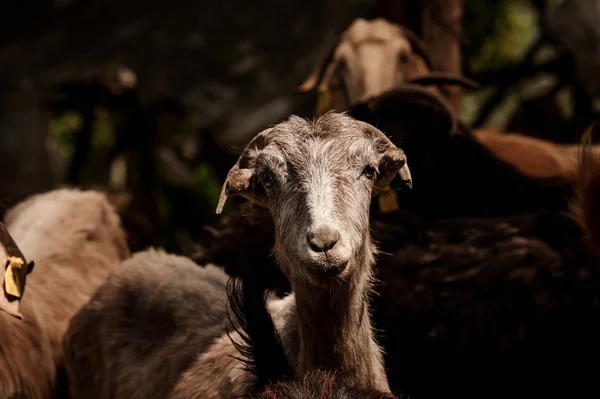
(9,244)
(406,176)
(441,78)
(417,44)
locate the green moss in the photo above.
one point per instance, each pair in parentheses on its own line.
(103,135)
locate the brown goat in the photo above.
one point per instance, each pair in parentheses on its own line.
(75,239)
(317,179)
(534,157)
(372,57)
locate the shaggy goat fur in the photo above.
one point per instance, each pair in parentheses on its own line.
(75,239)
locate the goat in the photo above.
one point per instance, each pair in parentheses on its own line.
(370,58)
(251,230)
(75,239)
(316,178)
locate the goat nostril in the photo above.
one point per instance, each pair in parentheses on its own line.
(322,239)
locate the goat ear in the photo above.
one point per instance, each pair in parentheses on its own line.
(393,162)
(418,47)
(241,179)
(14,274)
(323,74)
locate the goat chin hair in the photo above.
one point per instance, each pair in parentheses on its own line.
(261,349)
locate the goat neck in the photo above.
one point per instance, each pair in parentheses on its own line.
(330,326)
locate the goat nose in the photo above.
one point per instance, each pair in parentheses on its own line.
(323,238)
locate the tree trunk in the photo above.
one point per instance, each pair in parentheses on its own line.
(402,12)
(441,24)
(24,161)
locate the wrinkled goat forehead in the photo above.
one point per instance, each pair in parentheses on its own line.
(332,140)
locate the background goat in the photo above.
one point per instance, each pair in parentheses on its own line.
(377,56)
(370,58)
(75,239)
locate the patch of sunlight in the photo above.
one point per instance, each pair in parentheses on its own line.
(103,132)
(472,102)
(63,128)
(514,31)
(118,173)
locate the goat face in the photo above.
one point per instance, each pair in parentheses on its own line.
(371,58)
(317,179)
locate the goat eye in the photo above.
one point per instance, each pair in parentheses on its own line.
(369,172)
(267,180)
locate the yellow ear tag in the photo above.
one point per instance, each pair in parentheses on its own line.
(388,200)
(324,100)
(14,278)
